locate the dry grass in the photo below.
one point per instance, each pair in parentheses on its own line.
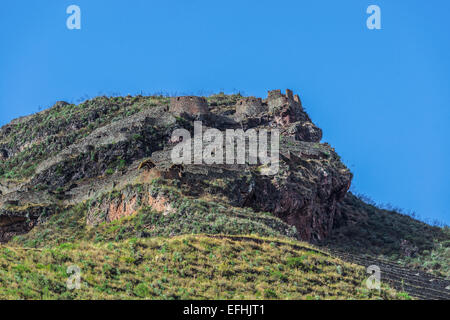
(183,267)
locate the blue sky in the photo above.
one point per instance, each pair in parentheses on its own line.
(381,96)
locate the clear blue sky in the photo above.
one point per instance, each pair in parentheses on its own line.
(381,96)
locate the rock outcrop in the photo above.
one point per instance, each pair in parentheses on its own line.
(287,108)
(99,157)
(305,131)
(249,107)
(103,171)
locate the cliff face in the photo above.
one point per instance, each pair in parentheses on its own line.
(68,154)
(78,153)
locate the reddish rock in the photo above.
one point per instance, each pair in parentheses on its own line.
(249,107)
(305,131)
(285,108)
(304,193)
(189,105)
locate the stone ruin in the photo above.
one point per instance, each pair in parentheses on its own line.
(276,100)
(287,112)
(285,109)
(249,106)
(189,105)
(275,104)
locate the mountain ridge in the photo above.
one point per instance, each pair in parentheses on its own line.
(101,171)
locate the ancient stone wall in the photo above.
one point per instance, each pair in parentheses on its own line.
(249,106)
(276,100)
(189,105)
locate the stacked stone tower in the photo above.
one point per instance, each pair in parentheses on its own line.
(276,100)
(189,105)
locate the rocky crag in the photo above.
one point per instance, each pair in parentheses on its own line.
(305,193)
(108,159)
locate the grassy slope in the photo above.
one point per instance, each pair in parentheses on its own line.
(123,259)
(37,274)
(183,267)
(379,232)
(48,132)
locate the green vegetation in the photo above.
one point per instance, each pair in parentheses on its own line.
(47,133)
(221,99)
(437,260)
(393,236)
(186,216)
(156,234)
(183,267)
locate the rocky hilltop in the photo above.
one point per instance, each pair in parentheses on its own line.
(69,154)
(102,171)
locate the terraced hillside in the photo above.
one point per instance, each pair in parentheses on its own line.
(417,283)
(184,267)
(389,235)
(85,184)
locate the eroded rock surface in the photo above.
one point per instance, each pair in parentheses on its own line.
(98,148)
